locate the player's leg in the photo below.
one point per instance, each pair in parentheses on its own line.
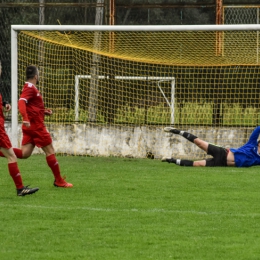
(27,146)
(190,137)
(199,163)
(27,150)
(202,144)
(43,140)
(15,173)
(54,165)
(20,154)
(182,162)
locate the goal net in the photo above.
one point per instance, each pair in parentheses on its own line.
(113,89)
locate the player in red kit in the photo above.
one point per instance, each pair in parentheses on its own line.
(8,152)
(32,109)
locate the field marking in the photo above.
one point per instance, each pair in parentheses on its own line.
(153,210)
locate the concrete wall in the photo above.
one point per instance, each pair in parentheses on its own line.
(136,141)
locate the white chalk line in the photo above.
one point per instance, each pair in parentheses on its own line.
(153,210)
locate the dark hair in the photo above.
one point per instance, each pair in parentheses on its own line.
(31,71)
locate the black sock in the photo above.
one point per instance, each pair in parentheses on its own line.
(184,162)
(188,136)
(171,160)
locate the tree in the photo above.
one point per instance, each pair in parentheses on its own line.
(94,72)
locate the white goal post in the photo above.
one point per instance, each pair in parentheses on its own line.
(14,50)
(158,80)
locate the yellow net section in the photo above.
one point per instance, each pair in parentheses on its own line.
(113,92)
(170,48)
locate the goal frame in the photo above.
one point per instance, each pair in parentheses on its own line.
(158,80)
(14,48)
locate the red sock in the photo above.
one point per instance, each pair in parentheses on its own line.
(15,174)
(54,165)
(18,153)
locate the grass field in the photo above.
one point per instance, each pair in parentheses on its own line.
(124,208)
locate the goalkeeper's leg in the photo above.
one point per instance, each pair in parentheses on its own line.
(186,135)
(190,137)
(182,162)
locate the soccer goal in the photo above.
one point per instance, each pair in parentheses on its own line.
(117,78)
(157,80)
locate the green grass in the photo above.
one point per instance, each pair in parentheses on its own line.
(124,208)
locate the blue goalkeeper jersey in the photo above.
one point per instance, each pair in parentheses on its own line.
(247,155)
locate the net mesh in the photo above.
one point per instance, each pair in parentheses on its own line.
(241,14)
(168,48)
(193,80)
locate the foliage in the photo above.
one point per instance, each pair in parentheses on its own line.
(68,115)
(184,113)
(234,114)
(195,113)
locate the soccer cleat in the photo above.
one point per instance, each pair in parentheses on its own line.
(26,191)
(168,159)
(62,184)
(170,129)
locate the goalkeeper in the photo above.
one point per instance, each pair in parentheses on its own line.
(244,156)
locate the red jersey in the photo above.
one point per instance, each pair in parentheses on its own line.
(2,118)
(34,105)
(4,139)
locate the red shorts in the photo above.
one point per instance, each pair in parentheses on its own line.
(4,139)
(40,137)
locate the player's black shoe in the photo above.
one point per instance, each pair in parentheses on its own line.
(168,159)
(26,191)
(172,130)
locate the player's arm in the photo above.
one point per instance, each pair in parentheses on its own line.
(47,112)
(28,93)
(254,136)
(6,106)
(23,112)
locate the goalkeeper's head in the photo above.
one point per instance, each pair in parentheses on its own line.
(32,73)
